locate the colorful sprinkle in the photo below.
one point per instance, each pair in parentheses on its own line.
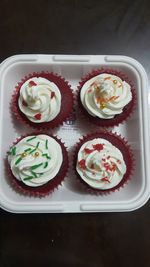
(116,97)
(36,166)
(110,167)
(13,151)
(31,138)
(24,154)
(32,177)
(105,179)
(46,155)
(103,105)
(37,116)
(92,166)
(115,81)
(107,78)
(28,149)
(46,164)
(34,174)
(82,164)
(46,144)
(90,90)
(88,151)
(28,178)
(36,154)
(37,145)
(33,150)
(32,83)
(98,147)
(18,160)
(24,103)
(52,95)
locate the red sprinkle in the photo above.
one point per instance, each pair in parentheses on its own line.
(32,83)
(90,90)
(113,167)
(92,166)
(82,164)
(88,151)
(52,94)
(24,103)
(98,147)
(105,179)
(103,159)
(38,116)
(107,166)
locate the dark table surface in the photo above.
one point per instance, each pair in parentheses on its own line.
(76,27)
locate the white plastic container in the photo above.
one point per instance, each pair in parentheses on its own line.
(69,198)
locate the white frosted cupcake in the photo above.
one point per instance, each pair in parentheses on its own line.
(42,100)
(103,162)
(38,164)
(106,97)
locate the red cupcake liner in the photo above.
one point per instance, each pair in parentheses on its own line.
(47,188)
(125,149)
(120,118)
(66,100)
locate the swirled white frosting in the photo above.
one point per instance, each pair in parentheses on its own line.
(39,100)
(105,96)
(100,164)
(35,160)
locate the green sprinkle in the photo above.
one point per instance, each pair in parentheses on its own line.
(28,149)
(32,177)
(46,144)
(13,151)
(32,151)
(31,138)
(47,156)
(37,144)
(46,164)
(18,160)
(35,175)
(36,166)
(28,178)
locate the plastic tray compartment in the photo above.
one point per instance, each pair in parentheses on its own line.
(69,197)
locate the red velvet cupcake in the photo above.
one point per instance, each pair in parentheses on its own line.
(106,97)
(37,164)
(103,162)
(42,100)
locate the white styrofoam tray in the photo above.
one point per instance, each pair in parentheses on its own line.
(69,197)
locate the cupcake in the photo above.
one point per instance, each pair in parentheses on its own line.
(38,164)
(42,100)
(103,162)
(106,97)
